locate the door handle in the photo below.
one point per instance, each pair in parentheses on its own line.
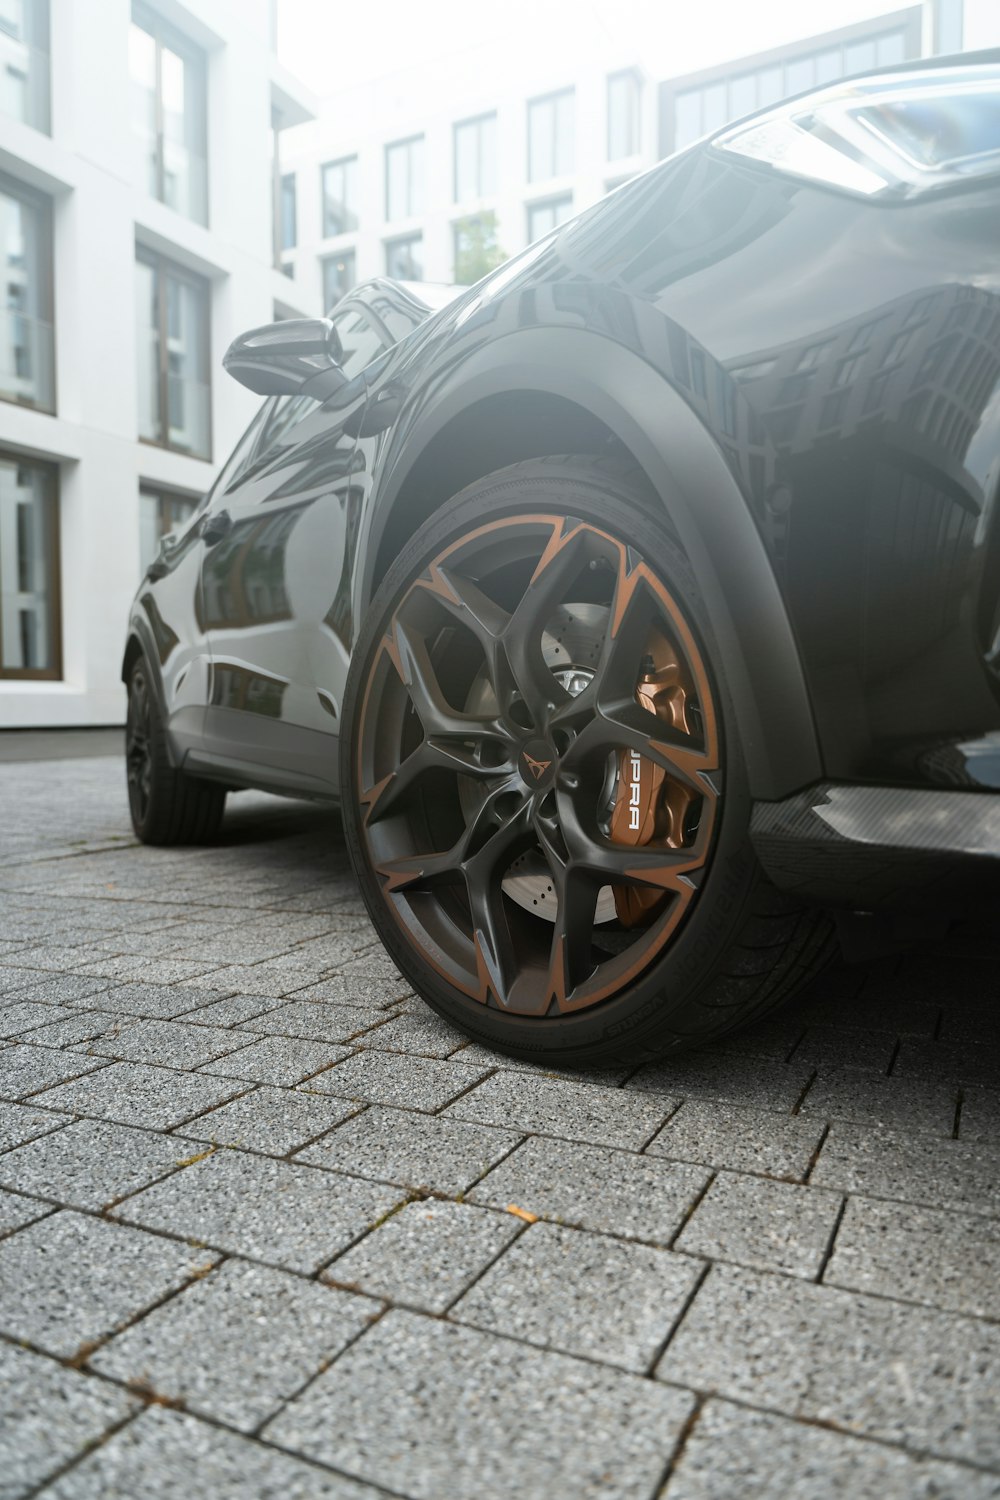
(216,527)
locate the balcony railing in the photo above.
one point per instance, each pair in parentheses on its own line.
(27,360)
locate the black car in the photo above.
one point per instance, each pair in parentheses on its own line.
(639,605)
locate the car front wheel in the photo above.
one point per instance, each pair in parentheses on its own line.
(543,786)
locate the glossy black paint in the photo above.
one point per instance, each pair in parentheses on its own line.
(811,382)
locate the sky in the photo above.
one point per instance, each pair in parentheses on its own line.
(336,43)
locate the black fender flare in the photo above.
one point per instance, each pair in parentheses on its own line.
(139,631)
(706,506)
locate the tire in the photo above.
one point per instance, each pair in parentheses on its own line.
(497,754)
(167,807)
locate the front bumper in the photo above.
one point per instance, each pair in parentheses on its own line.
(874,848)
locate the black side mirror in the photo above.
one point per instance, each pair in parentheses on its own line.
(282,359)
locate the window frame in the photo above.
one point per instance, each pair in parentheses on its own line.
(53,562)
(38,41)
(335,255)
(162,265)
(532,207)
(414,238)
(633,77)
(163,34)
(478,121)
(338,161)
(412,213)
(41,203)
(551,98)
(165,493)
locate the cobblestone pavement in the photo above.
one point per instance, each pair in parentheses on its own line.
(270,1228)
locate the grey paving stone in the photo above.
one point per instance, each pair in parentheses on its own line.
(366,990)
(166,1044)
(826,1048)
(316,1021)
(744,1140)
(232,1011)
(488,1057)
(137,968)
(758,1456)
(14,979)
(967,1063)
(267,979)
(412,1150)
(136,1094)
(425,1255)
(901,1103)
(921,1254)
(420,1083)
(278,1059)
(883,1369)
(194,1348)
(374,963)
(90,1164)
(721,1075)
(16,1211)
(901,1006)
(275,1121)
(426,1035)
(980,1117)
(71,1279)
(77,1027)
(616,1192)
(912,1168)
(553,1106)
(285,1215)
(48,1415)
(157,1002)
(168,1455)
(26,1069)
(424,1399)
(22,1122)
(775,1226)
(583,1294)
(64,989)
(972,1023)
(20,1016)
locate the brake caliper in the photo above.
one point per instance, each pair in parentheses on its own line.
(650,807)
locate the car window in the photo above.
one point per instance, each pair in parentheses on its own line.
(239,458)
(362,341)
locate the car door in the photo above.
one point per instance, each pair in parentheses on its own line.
(274,543)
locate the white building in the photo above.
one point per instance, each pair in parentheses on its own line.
(136,237)
(391,175)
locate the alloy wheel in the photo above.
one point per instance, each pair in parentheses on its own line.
(539,764)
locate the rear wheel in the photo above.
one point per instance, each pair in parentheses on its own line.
(549,810)
(167,807)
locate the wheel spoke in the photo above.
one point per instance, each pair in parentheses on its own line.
(409,654)
(628,726)
(430,755)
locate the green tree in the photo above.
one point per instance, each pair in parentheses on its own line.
(476,248)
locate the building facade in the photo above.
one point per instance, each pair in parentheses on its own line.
(382,183)
(133,246)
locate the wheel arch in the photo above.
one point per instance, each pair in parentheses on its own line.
(533,393)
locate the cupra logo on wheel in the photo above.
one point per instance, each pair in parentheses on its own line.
(537,768)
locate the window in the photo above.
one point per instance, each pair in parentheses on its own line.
(172,327)
(624,123)
(550,136)
(695,112)
(340,196)
(404,179)
(404,258)
(160,513)
(168,111)
(476,249)
(27,361)
(289,217)
(29,569)
(339,276)
(476,158)
(547,215)
(24,61)
(359,338)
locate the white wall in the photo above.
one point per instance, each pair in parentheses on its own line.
(99,214)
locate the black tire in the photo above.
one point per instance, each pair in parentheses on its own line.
(167,807)
(733,949)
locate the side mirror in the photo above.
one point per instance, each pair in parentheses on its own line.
(282,358)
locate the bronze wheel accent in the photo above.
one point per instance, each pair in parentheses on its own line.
(538,764)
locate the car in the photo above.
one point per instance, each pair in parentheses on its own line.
(639,605)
